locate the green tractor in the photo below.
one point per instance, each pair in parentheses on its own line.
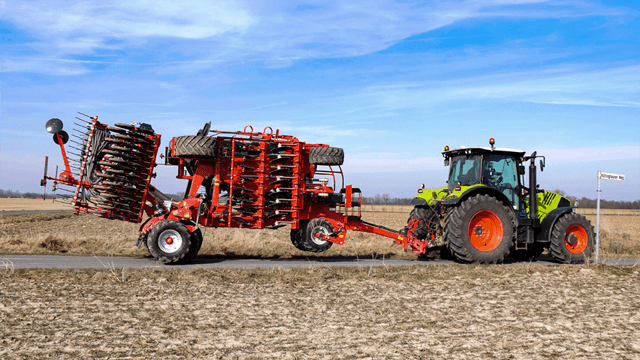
(486,215)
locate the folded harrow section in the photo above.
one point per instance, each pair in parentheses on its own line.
(111,171)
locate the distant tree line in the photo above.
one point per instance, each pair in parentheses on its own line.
(29,195)
(383,199)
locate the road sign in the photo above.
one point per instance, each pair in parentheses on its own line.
(609,176)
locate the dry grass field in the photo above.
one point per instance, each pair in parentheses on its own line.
(64,233)
(420,312)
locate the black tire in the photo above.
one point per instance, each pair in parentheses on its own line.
(196,244)
(160,247)
(306,239)
(572,239)
(195,146)
(297,235)
(428,221)
(485,214)
(326,156)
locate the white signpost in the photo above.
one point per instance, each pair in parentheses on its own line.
(606,176)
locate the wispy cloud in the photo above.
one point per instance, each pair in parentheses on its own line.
(404,162)
(277,33)
(616,87)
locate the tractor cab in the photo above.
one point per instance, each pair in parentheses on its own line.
(492,167)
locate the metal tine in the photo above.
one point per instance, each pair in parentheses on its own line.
(75,142)
(83,126)
(81,132)
(81,138)
(67,190)
(75,148)
(90,117)
(88,122)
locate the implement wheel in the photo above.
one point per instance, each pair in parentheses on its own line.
(195,146)
(308,236)
(170,242)
(322,155)
(479,230)
(572,239)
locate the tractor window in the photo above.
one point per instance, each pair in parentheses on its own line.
(501,173)
(465,170)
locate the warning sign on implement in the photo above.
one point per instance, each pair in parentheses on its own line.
(608,176)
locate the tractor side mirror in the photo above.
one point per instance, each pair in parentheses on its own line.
(520,169)
(446,162)
(542,164)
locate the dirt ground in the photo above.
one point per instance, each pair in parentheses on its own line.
(420,312)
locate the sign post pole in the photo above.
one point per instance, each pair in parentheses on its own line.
(606,176)
(598,220)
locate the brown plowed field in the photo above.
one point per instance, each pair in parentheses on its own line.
(420,312)
(525,311)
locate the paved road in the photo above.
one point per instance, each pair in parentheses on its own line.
(102,262)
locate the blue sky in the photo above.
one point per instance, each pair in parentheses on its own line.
(390,82)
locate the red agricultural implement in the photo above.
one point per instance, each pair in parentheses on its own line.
(242,179)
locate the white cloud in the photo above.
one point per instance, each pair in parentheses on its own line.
(390,162)
(585,154)
(277,33)
(615,87)
(130,18)
(404,162)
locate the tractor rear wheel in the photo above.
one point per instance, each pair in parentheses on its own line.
(480,230)
(308,236)
(572,239)
(195,146)
(323,155)
(169,241)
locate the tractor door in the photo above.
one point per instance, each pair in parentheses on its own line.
(501,173)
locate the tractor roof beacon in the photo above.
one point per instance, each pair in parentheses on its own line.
(485,213)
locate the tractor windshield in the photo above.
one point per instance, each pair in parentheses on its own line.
(465,170)
(501,173)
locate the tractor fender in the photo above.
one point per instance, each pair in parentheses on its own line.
(550,220)
(418,201)
(480,190)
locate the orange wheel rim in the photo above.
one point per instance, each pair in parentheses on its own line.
(576,239)
(485,231)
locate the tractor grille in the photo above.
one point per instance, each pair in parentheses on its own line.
(548,198)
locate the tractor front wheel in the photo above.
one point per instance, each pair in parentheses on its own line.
(572,239)
(308,237)
(480,230)
(170,242)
